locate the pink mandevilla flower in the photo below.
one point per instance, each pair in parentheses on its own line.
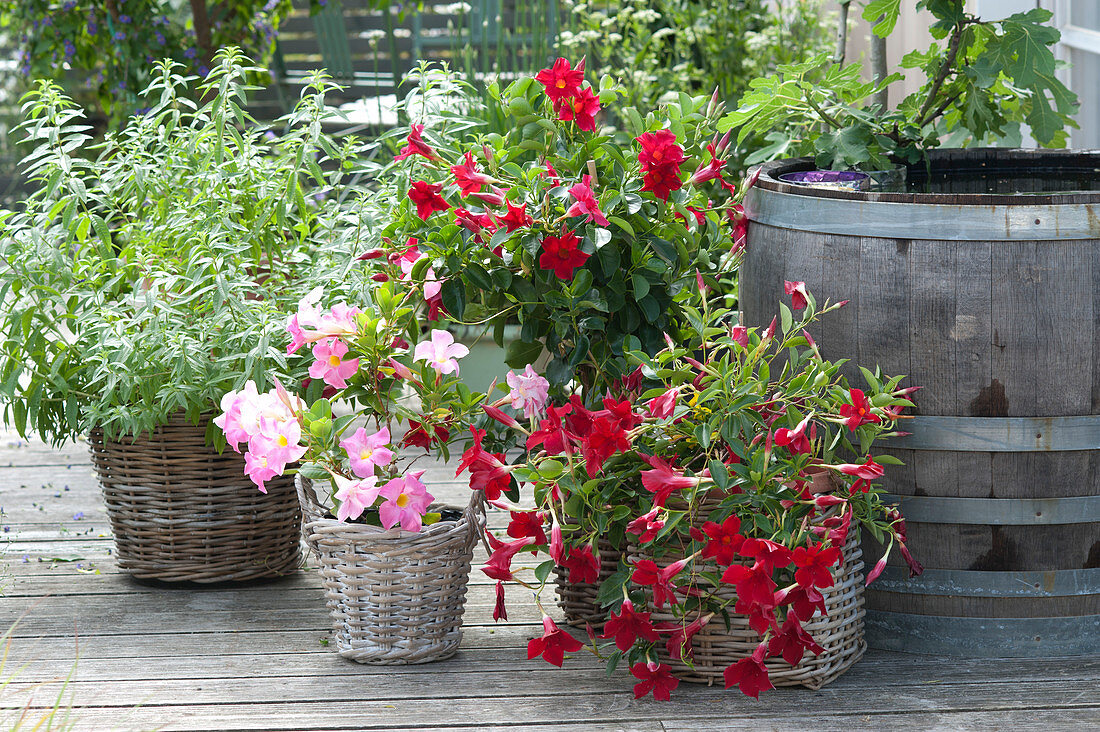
(529,391)
(407,500)
(408,260)
(366,452)
(441,352)
(585,203)
(330,366)
(355,496)
(230,421)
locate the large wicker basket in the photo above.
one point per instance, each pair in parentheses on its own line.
(180,512)
(396,597)
(578,599)
(839,632)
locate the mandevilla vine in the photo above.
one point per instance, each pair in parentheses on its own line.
(708,477)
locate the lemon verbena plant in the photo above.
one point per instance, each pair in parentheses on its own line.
(153,277)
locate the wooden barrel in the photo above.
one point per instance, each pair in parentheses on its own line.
(990,301)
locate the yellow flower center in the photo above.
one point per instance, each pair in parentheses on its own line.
(334,361)
(560,84)
(282,441)
(402,500)
(365,454)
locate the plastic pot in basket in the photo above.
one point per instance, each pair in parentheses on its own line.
(182,512)
(396,597)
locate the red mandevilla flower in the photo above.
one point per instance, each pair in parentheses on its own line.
(658,149)
(582,565)
(663,480)
(416,145)
(654,677)
(723,540)
(561,80)
(646,572)
(606,438)
(554,643)
(769,554)
(868,470)
(561,254)
(755,588)
(797,291)
(468,177)
(662,181)
(750,674)
(427,199)
(516,218)
(813,562)
(678,644)
(859,411)
(646,526)
(499,566)
(792,642)
(628,626)
(527,524)
(581,108)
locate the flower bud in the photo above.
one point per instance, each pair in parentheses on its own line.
(874,573)
(375,253)
(380,277)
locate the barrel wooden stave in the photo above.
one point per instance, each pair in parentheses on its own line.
(990,328)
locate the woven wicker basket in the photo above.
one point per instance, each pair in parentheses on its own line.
(180,512)
(839,632)
(578,599)
(396,597)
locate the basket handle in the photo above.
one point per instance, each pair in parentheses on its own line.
(473,508)
(305,486)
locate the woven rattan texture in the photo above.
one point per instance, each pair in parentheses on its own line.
(180,512)
(396,597)
(578,599)
(839,632)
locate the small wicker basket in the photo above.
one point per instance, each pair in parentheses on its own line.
(180,512)
(396,597)
(839,632)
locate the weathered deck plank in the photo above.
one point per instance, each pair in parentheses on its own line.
(252,658)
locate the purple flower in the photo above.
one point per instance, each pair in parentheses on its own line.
(190,53)
(124,19)
(92,28)
(78,516)
(120,36)
(159,37)
(69,5)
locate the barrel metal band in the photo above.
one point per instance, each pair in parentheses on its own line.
(921,220)
(970,583)
(983,637)
(1000,434)
(998,511)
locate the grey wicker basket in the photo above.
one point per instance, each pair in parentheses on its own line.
(839,632)
(180,512)
(396,597)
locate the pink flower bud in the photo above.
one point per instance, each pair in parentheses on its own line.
(380,277)
(557,549)
(500,416)
(827,500)
(372,254)
(874,573)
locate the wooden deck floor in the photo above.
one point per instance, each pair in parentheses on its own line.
(255,658)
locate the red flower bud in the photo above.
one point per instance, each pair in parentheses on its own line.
(375,253)
(380,277)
